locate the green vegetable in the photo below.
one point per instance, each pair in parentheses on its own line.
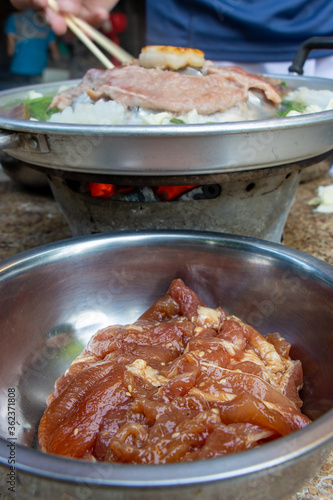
(38,108)
(288,106)
(177,121)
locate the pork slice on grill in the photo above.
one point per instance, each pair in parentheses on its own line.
(132,85)
(65,98)
(250,80)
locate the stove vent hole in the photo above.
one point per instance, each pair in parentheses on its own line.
(250,186)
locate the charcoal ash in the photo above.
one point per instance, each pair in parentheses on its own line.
(208,192)
(139,194)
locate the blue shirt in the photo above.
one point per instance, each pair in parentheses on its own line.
(240,30)
(33,37)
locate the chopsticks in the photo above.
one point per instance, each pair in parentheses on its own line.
(103,41)
(81,29)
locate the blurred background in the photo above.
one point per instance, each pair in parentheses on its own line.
(126,27)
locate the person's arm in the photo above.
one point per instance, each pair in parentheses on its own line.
(95,12)
(11,38)
(53,46)
(11,42)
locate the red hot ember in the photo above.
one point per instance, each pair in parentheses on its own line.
(149,193)
(161,193)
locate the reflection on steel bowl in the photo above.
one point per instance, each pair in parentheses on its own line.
(53,298)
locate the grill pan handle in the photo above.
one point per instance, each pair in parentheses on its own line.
(8,140)
(316,42)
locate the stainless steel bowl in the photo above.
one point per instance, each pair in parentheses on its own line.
(54,297)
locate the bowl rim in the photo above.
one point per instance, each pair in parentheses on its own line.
(26,259)
(298,445)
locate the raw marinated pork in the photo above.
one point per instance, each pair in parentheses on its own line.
(216,90)
(185,382)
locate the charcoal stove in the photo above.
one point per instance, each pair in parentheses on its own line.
(251,203)
(239,178)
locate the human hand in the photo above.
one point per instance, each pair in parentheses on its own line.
(95,12)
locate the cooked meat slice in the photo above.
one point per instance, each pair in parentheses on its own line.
(249,80)
(65,98)
(168,90)
(132,85)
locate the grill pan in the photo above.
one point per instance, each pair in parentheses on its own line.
(175,150)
